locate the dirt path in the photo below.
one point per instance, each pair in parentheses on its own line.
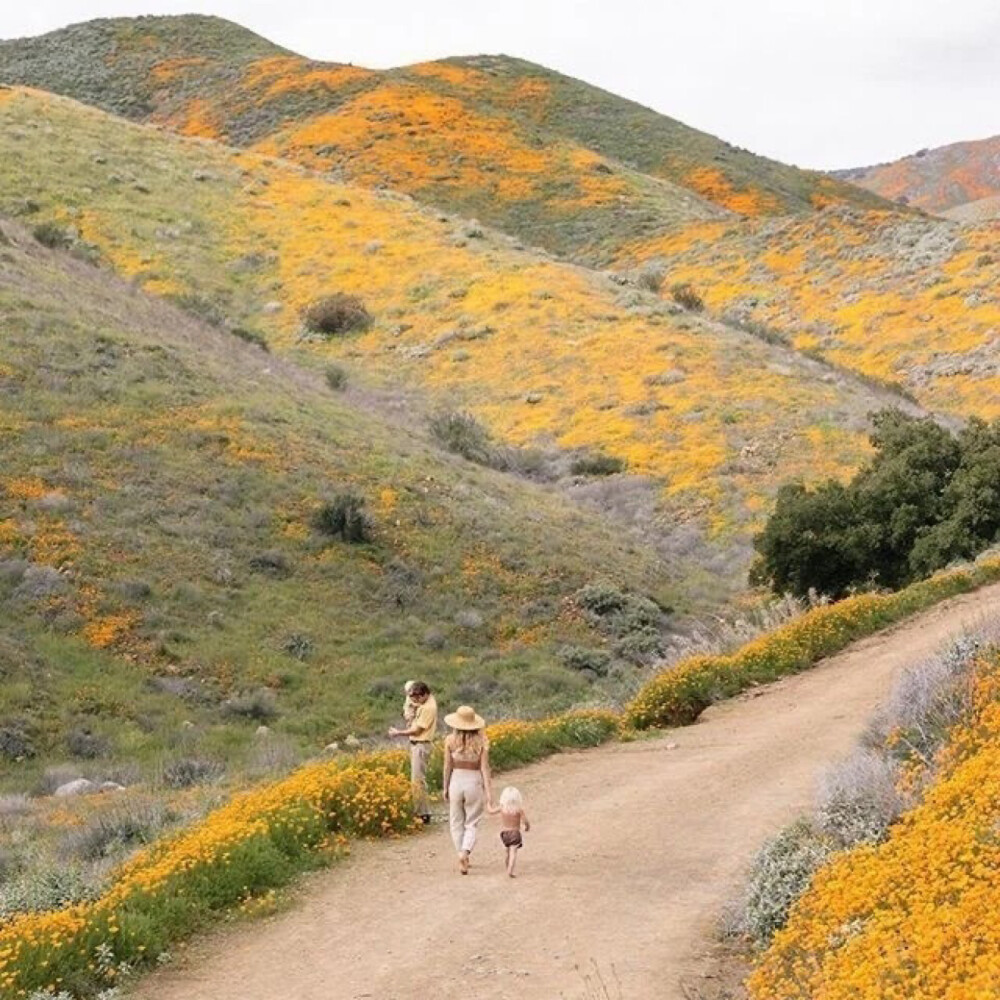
(636,849)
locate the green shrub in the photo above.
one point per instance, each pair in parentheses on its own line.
(686,296)
(254,337)
(634,621)
(298,646)
(928,498)
(650,276)
(108,833)
(16,742)
(86,745)
(597,465)
(337,314)
(186,772)
(273,562)
(260,705)
(584,660)
(53,236)
(336,378)
(461,434)
(343,516)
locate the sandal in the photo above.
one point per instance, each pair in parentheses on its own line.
(463,864)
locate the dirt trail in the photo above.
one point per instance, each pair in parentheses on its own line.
(635,850)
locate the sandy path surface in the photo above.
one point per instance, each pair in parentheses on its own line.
(634,851)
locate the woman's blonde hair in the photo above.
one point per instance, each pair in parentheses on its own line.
(510,800)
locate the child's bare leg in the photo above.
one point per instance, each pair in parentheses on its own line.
(511,860)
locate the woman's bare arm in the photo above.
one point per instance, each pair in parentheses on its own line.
(484,766)
(447,770)
(525,821)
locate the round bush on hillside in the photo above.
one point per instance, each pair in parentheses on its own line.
(337,314)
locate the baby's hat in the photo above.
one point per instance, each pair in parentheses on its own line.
(407,686)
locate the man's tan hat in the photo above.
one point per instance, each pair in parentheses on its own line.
(465,718)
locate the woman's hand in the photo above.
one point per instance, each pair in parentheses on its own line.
(444,793)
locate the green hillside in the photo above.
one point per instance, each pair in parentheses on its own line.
(552,160)
(160,561)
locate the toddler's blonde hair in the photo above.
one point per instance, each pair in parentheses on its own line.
(510,800)
(407,687)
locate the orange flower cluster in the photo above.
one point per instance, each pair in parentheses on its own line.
(680,694)
(913,918)
(713,184)
(250,843)
(107,631)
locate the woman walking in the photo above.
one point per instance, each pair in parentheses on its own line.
(467,781)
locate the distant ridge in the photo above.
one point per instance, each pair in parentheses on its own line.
(938,180)
(550,159)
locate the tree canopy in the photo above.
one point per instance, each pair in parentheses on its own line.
(926,498)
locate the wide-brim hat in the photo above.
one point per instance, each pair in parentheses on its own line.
(465,718)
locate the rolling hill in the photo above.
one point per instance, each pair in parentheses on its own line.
(556,162)
(905,302)
(943,180)
(706,418)
(604,406)
(160,560)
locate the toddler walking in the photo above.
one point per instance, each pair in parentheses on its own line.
(513,819)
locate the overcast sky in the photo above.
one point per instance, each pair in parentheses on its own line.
(813,82)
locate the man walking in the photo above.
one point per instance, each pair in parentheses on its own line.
(421,735)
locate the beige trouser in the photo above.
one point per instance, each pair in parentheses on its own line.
(466,801)
(420,753)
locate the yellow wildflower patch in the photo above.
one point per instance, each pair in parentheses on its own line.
(903,300)
(713,184)
(913,918)
(110,630)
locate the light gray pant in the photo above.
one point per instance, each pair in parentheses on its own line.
(466,803)
(420,754)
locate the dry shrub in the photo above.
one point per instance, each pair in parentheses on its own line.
(686,296)
(859,799)
(337,314)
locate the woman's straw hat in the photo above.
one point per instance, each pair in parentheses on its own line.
(465,718)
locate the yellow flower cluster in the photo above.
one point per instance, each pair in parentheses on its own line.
(251,843)
(913,918)
(681,693)
(262,837)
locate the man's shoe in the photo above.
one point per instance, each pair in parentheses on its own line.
(425,818)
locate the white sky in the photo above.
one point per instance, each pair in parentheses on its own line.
(819,83)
